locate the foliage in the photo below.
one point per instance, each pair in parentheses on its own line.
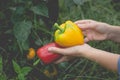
(23,24)
(22,72)
(27,23)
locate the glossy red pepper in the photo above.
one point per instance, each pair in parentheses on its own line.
(46,56)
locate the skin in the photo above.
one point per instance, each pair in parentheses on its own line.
(93,30)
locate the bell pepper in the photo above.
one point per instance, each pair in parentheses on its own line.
(31,54)
(68,34)
(46,56)
(51,72)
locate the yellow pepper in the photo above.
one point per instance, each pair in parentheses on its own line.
(31,53)
(50,74)
(68,34)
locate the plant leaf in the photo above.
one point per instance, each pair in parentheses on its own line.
(40,9)
(16,67)
(21,77)
(80,2)
(69,3)
(25,70)
(20,10)
(22,30)
(25,45)
(1,67)
(36,62)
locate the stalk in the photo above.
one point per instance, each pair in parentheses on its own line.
(58,27)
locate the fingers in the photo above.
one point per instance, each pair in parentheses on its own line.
(86,40)
(71,51)
(58,50)
(83,21)
(63,59)
(87,35)
(86,24)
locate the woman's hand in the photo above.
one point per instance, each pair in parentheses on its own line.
(94,30)
(106,59)
(71,52)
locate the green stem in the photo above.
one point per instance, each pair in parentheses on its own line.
(57,26)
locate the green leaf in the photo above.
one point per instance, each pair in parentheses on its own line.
(40,9)
(3,76)
(38,42)
(25,45)
(16,18)
(2,15)
(25,70)
(20,10)
(1,67)
(21,77)
(16,67)
(36,62)
(18,1)
(69,3)
(22,30)
(80,2)
(63,65)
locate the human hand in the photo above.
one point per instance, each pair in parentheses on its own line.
(71,52)
(94,30)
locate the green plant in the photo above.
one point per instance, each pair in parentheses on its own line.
(26,24)
(2,74)
(21,72)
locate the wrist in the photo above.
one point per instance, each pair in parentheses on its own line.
(113,32)
(93,54)
(109,32)
(87,53)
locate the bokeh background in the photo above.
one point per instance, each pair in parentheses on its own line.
(26,24)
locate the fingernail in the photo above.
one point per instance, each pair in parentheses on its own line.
(80,25)
(50,48)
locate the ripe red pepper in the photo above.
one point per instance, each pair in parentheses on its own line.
(46,56)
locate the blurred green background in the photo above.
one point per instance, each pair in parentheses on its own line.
(28,23)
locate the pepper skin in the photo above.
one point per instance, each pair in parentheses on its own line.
(46,56)
(68,34)
(31,54)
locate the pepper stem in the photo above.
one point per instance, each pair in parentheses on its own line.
(57,26)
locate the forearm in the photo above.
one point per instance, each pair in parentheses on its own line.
(106,59)
(114,33)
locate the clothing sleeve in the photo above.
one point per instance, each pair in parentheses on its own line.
(119,68)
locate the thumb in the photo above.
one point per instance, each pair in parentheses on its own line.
(57,50)
(86,40)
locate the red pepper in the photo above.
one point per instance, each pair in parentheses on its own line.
(46,56)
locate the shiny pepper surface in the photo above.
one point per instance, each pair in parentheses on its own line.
(46,56)
(68,34)
(31,53)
